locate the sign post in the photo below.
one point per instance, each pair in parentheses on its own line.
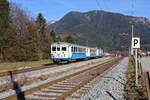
(136,45)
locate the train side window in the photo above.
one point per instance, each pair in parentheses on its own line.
(54,48)
(75,49)
(63,48)
(58,48)
(71,49)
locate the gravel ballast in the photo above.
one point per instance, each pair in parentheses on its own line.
(110,86)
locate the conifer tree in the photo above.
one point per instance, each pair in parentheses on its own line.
(47,46)
(32,43)
(59,39)
(40,21)
(4,16)
(69,39)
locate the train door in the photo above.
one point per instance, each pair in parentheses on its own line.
(53,51)
(64,51)
(69,51)
(87,52)
(97,52)
(101,52)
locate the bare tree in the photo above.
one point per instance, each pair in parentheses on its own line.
(19,18)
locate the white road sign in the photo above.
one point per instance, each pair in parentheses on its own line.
(135,42)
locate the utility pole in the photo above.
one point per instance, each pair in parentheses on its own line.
(136,45)
(129,51)
(131,41)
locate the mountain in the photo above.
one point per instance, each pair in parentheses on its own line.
(51,22)
(98,28)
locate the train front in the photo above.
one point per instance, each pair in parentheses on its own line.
(59,52)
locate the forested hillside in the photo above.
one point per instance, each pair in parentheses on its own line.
(111,31)
(23,38)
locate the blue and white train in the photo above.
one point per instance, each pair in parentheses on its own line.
(61,51)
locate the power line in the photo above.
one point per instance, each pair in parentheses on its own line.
(132,7)
(98,4)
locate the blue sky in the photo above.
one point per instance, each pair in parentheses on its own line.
(56,9)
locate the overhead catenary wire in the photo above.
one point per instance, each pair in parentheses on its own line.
(132,13)
(101,18)
(132,7)
(98,4)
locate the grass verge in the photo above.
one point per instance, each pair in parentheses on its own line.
(15,65)
(133,91)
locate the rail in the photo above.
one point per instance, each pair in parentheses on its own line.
(90,74)
(147,80)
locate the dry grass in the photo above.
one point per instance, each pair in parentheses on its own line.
(133,91)
(15,65)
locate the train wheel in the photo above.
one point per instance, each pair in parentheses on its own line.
(56,62)
(68,62)
(86,59)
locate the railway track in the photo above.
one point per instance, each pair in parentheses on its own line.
(18,71)
(7,73)
(147,82)
(61,88)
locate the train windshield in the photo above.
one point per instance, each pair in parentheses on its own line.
(54,48)
(63,48)
(58,48)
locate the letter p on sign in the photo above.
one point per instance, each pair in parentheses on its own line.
(135,42)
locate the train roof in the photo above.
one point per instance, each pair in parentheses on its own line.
(65,43)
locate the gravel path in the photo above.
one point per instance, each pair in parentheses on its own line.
(24,88)
(110,86)
(145,63)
